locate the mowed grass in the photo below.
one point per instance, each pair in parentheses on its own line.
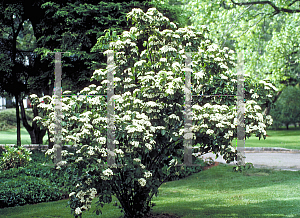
(217,192)
(10,137)
(282,138)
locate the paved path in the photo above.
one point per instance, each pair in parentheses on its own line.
(274,158)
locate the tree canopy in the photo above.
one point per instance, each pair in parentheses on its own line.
(266,33)
(67,26)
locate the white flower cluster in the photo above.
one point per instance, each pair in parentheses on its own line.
(86,201)
(142,182)
(147,174)
(120,152)
(107,174)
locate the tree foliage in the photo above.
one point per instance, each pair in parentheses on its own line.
(270,39)
(56,26)
(287,108)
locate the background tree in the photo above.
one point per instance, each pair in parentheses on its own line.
(267,32)
(12,72)
(287,108)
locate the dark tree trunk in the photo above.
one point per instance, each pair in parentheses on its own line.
(18,121)
(287,126)
(50,144)
(36,134)
(49,92)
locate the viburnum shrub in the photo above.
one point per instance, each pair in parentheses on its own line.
(149,98)
(14,157)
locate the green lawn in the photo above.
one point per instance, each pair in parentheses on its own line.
(282,138)
(217,192)
(10,137)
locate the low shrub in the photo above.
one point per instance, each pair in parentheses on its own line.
(40,157)
(27,190)
(14,157)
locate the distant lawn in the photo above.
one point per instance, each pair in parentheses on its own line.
(217,192)
(282,138)
(10,137)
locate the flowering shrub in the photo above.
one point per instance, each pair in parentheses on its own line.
(149,98)
(14,157)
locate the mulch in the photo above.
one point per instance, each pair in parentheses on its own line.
(210,166)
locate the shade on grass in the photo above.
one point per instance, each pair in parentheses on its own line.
(217,192)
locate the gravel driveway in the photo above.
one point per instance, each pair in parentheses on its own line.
(274,158)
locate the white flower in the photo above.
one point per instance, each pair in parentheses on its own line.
(223,66)
(199,75)
(209,132)
(149,146)
(204,126)
(163,60)
(37,118)
(257,107)
(33,96)
(108,172)
(137,160)
(205,115)
(220,125)
(173,161)
(176,66)
(251,91)
(78,210)
(64,153)
(72,193)
(147,174)
(91,152)
(224,77)
(261,125)
(119,151)
(139,63)
(142,182)
(255,95)
(226,136)
(78,159)
(259,117)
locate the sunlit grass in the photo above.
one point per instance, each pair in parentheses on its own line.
(217,192)
(10,137)
(282,138)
